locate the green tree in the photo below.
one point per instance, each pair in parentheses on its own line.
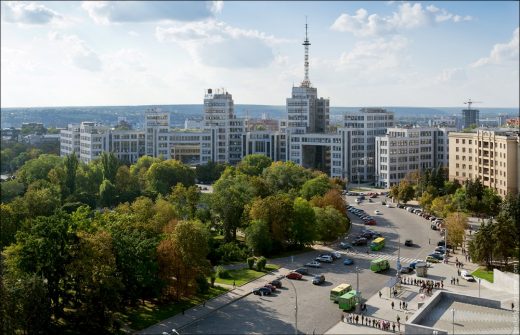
(42,199)
(38,168)
(109,166)
(127,184)
(284,176)
(481,246)
(210,172)
(303,229)
(231,193)
(332,198)
(426,200)
(258,238)
(254,165)
(71,166)
(505,237)
(406,191)
(185,200)
(442,206)
(490,203)
(162,176)
(456,223)
(316,186)
(11,189)
(277,212)
(330,224)
(107,194)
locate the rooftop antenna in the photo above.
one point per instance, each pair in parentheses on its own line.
(469,102)
(306,82)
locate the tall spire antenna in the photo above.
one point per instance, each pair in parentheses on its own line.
(306,82)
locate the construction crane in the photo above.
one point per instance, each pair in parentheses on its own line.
(469,102)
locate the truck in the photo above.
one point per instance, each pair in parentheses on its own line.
(339,290)
(348,300)
(379,264)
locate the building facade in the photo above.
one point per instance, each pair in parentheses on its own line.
(470,117)
(404,150)
(488,155)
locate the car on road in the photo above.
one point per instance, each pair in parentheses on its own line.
(345,245)
(262,291)
(414,263)
(440,251)
(408,243)
(302,271)
(348,261)
(406,269)
(465,275)
(335,254)
(294,275)
(318,279)
(276,283)
(358,201)
(324,258)
(437,256)
(389,206)
(360,241)
(400,206)
(313,264)
(370,222)
(377,212)
(432,259)
(271,287)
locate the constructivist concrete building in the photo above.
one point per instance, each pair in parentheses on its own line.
(404,150)
(486,154)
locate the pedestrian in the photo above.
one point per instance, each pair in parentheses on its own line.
(204,303)
(362,319)
(398,319)
(406,318)
(357,319)
(442,284)
(457,281)
(392,305)
(398,327)
(380,294)
(373,321)
(393,327)
(512,306)
(234,284)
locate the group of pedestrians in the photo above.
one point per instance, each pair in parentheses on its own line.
(371,322)
(458,264)
(425,285)
(455,280)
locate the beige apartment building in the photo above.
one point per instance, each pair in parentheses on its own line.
(492,155)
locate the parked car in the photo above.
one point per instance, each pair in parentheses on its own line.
(440,251)
(437,256)
(324,258)
(432,259)
(294,275)
(465,275)
(433,226)
(348,261)
(318,279)
(370,222)
(276,282)
(389,206)
(414,263)
(345,245)
(377,212)
(400,206)
(373,196)
(406,269)
(408,243)
(302,271)
(271,287)
(336,254)
(313,264)
(262,291)
(360,241)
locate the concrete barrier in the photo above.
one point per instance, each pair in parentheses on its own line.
(505,281)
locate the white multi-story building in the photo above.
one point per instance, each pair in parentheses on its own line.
(69,140)
(157,128)
(404,150)
(363,128)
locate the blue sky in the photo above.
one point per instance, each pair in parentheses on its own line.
(372,53)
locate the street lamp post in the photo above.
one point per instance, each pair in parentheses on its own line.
(295,309)
(358,296)
(479,287)
(453,320)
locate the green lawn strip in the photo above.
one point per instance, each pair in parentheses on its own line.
(484,274)
(143,316)
(245,275)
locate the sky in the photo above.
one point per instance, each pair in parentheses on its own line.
(374,53)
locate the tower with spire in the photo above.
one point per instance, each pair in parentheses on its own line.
(306,113)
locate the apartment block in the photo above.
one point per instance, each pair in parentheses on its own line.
(486,154)
(404,150)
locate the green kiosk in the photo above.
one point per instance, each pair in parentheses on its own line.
(348,300)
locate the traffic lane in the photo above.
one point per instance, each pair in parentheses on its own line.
(275,314)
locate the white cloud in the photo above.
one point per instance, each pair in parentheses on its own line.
(106,12)
(451,74)
(78,53)
(407,16)
(217,44)
(28,13)
(501,52)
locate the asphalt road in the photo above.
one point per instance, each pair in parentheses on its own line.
(316,313)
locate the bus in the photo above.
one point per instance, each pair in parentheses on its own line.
(348,300)
(379,264)
(338,291)
(377,244)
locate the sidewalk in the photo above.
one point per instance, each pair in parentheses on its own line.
(179,321)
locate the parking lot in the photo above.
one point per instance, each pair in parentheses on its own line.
(316,313)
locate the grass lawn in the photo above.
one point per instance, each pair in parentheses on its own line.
(484,274)
(243,276)
(143,316)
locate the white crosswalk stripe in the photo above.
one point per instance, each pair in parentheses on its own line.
(389,257)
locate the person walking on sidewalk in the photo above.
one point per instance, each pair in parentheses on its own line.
(234,284)
(380,294)
(392,305)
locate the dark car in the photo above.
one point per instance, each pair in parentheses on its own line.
(271,287)
(408,243)
(302,271)
(360,241)
(345,245)
(277,283)
(437,256)
(400,206)
(433,226)
(294,275)
(262,291)
(406,269)
(367,235)
(318,279)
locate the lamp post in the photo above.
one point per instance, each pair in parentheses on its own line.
(453,320)
(295,309)
(358,296)
(479,287)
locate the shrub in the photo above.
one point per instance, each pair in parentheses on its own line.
(202,284)
(250,262)
(222,273)
(230,252)
(261,263)
(212,278)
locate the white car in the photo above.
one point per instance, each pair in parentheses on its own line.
(313,264)
(324,258)
(389,206)
(336,254)
(467,276)
(378,212)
